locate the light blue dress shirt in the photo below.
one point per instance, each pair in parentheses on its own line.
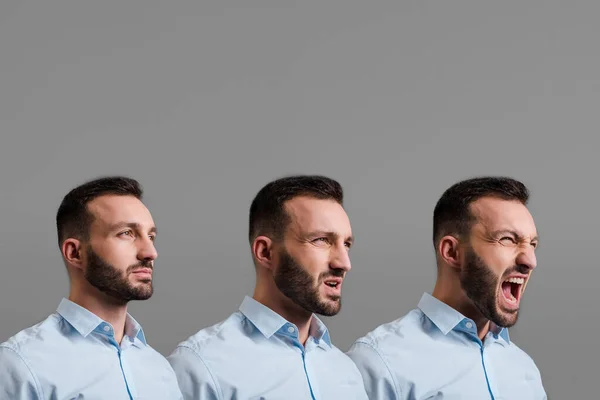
(434,353)
(256,354)
(73,354)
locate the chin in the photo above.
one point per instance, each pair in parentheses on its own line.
(140,282)
(505,319)
(330,307)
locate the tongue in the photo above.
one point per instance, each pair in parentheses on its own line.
(506,289)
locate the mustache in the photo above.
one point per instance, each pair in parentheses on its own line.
(522,269)
(335,273)
(142,264)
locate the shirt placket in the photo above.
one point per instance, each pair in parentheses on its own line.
(311,374)
(468,326)
(106,330)
(126,348)
(488,344)
(291,331)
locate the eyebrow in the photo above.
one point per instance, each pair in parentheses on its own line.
(132,225)
(330,234)
(513,233)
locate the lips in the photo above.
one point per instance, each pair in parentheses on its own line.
(143,273)
(333,286)
(333,282)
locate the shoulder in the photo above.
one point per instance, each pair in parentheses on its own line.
(23,357)
(208,345)
(198,360)
(221,334)
(399,332)
(31,339)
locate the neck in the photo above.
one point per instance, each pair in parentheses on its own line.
(271,297)
(109,310)
(450,292)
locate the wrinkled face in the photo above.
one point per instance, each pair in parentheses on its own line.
(314,260)
(120,253)
(499,258)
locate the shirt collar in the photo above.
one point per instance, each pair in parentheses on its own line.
(268,322)
(319,331)
(85,321)
(447,318)
(134,330)
(500,331)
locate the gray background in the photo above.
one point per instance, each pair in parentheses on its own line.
(206,101)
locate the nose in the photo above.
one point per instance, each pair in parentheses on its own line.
(340,259)
(147,250)
(527,257)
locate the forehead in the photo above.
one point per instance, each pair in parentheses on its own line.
(113,209)
(494,214)
(309,214)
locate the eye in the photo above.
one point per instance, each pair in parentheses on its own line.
(348,245)
(126,233)
(534,245)
(152,237)
(321,241)
(507,239)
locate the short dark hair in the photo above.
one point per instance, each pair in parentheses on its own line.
(73,218)
(452,213)
(267,213)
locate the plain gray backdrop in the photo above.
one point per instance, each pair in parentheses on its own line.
(206,101)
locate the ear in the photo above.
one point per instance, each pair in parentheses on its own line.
(449,251)
(263,251)
(72,252)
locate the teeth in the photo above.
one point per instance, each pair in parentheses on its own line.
(518,281)
(332,284)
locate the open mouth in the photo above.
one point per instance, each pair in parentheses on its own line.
(333,284)
(512,289)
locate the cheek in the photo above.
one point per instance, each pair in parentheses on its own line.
(119,254)
(498,259)
(314,261)
(506,257)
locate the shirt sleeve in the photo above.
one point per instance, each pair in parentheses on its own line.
(378,380)
(17,381)
(194,378)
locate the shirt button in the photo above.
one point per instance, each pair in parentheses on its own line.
(291,329)
(469,325)
(106,328)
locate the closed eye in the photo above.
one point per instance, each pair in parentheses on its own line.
(507,238)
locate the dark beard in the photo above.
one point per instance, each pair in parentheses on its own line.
(109,280)
(480,285)
(296,284)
